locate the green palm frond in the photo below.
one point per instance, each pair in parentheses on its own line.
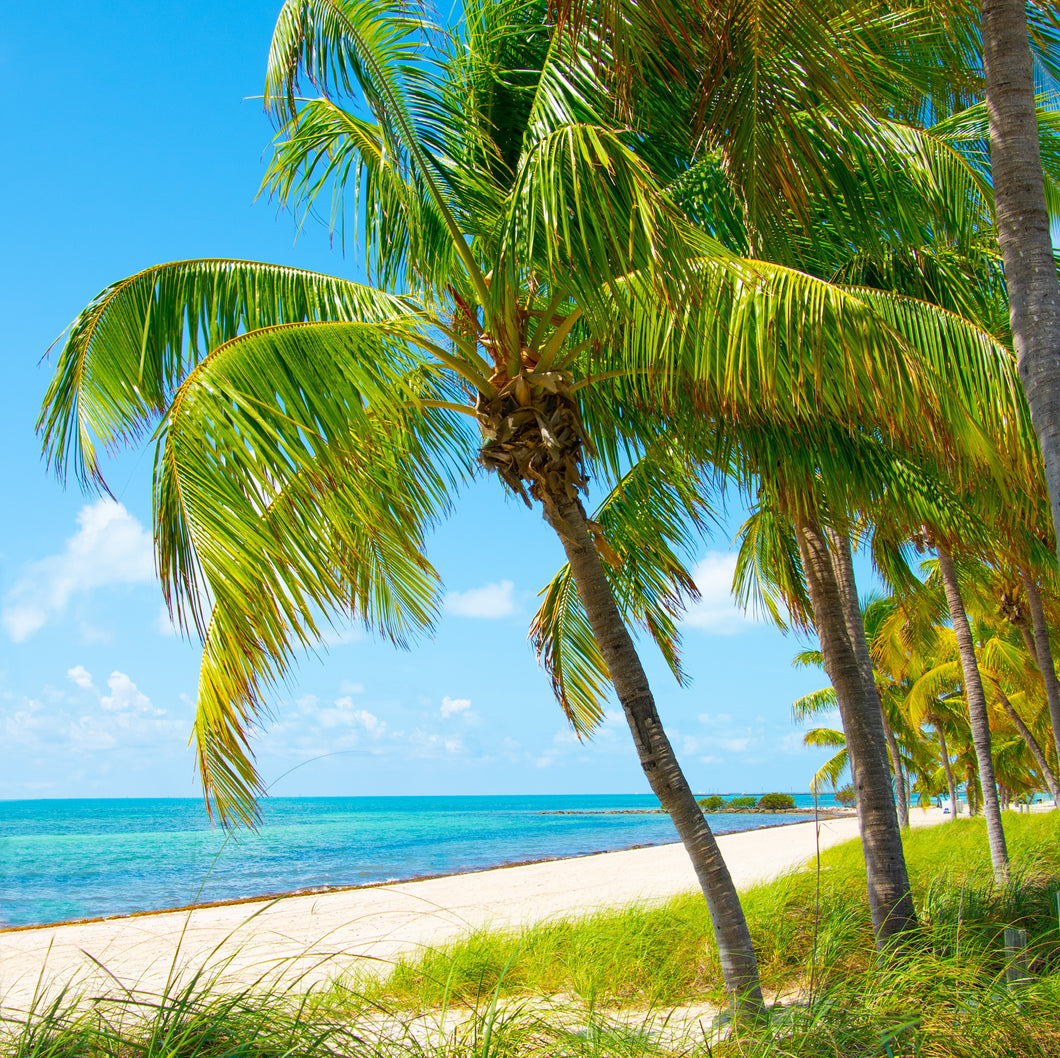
(126,354)
(824,736)
(832,770)
(646,528)
(323,150)
(769,571)
(586,212)
(969,132)
(980,374)
(809,658)
(372,50)
(566,647)
(928,692)
(879,186)
(333,410)
(320,433)
(814,704)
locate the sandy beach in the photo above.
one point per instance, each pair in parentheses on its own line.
(306,939)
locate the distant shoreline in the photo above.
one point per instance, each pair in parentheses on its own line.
(322,890)
(832,811)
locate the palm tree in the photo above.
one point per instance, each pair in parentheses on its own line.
(977,712)
(543,311)
(312,429)
(1023,218)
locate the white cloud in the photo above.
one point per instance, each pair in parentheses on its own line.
(452,706)
(428,744)
(123,719)
(490,601)
(338,714)
(81,676)
(370,722)
(716,612)
(110,547)
(318,727)
(126,697)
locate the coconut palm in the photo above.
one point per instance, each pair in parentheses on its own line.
(1023,216)
(313,429)
(977,712)
(544,310)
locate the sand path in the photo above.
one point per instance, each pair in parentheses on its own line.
(310,938)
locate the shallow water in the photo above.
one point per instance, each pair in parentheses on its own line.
(68,859)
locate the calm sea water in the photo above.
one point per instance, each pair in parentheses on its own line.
(67,859)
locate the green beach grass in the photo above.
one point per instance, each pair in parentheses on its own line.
(663,956)
(601,985)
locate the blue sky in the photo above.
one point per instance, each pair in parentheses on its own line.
(133,138)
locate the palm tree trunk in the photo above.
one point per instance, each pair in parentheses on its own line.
(890,898)
(1028,641)
(1032,743)
(657,758)
(843,565)
(1023,225)
(973,690)
(955,805)
(900,792)
(971,784)
(1043,652)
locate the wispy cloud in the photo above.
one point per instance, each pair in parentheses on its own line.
(716,612)
(109,548)
(491,601)
(315,727)
(453,706)
(89,720)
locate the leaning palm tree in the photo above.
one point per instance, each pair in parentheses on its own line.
(540,305)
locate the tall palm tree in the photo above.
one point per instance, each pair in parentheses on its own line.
(543,310)
(977,713)
(312,429)
(1023,216)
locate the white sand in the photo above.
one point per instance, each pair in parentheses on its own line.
(308,939)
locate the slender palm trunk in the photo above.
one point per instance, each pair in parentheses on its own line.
(890,898)
(900,792)
(1043,652)
(1023,225)
(971,784)
(1028,641)
(1032,743)
(955,805)
(657,758)
(842,559)
(973,690)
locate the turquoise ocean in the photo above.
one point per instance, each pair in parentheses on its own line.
(72,859)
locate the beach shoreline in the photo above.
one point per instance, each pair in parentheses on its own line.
(304,940)
(258,898)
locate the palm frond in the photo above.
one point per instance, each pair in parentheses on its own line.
(126,354)
(373,50)
(927,693)
(969,132)
(768,569)
(646,528)
(814,704)
(300,468)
